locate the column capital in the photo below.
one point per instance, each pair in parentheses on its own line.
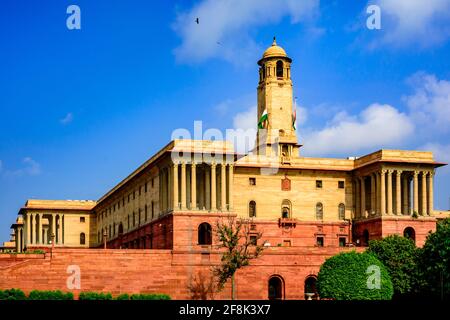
(399,172)
(213,165)
(415,173)
(183,163)
(390,171)
(431,173)
(383,171)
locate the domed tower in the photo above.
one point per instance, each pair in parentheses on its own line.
(276,117)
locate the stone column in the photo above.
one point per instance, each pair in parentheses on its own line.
(176,205)
(207,188)
(183,186)
(363,197)
(53,227)
(383,192)
(430,193)
(389,191)
(39,229)
(223,188)
(230,186)
(193,186)
(28,229)
(213,187)
(405,195)
(424,194)
(398,192)
(373,193)
(357,199)
(416,192)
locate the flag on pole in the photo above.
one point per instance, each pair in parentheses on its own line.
(294,118)
(262,123)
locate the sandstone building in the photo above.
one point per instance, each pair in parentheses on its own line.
(307,208)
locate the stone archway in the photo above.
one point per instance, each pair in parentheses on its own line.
(276,288)
(410,233)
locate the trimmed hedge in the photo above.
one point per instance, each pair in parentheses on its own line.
(350,276)
(144,296)
(17,294)
(50,295)
(12,294)
(94,296)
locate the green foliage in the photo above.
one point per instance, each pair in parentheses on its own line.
(95,296)
(434,262)
(400,257)
(239,249)
(123,296)
(12,294)
(144,296)
(347,276)
(50,295)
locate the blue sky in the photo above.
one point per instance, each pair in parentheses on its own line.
(81,109)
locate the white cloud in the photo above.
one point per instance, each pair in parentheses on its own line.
(224,26)
(30,167)
(67,119)
(430,103)
(414,22)
(440,151)
(375,127)
(246,119)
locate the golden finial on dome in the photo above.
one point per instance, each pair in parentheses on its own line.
(274,43)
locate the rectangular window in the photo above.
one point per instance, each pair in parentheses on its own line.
(252,181)
(128,198)
(341,184)
(82,219)
(134,195)
(286,243)
(320,241)
(140,188)
(319,184)
(253,240)
(342,242)
(134,220)
(145,186)
(152,181)
(145,212)
(153,209)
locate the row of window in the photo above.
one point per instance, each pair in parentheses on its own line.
(131,196)
(319,183)
(286,210)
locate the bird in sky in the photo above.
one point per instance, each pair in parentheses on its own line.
(196,20)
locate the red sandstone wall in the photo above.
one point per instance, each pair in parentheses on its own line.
(159,271)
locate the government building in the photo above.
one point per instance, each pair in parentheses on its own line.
(154,231)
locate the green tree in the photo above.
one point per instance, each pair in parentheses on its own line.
(354,276)
(435,262)
(238,249)
(400,256)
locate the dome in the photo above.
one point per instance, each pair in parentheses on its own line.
(274,51)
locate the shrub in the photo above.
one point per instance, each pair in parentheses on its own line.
(144,296)
(12,294)
(349,276)
(434,262)
(95,296)
(50,295)
(123,296)
(400,257)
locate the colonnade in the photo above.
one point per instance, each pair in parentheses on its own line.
(389,192)
(195,186)
(36,233)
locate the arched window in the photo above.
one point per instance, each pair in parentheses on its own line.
(204,234)
(410,233)
(319,211)
(286,209)
(82,238)
(279,69)
(341,210)
(310,288)
(276,288)
(252,209)
(263,67)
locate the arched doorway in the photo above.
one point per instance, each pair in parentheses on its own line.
(310,288)
(204,234)
(276,288)
(410,233)
(366,237)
